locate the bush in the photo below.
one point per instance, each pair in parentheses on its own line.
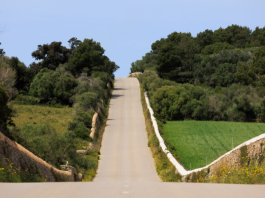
(53,86)
(26,100)
(6,113)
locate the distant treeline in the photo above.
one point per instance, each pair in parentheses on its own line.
(214,58)
(176,101)
(218,75)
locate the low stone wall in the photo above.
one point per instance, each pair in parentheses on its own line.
(23,159)
(94,121)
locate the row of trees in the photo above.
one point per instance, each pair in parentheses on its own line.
(175,101)
(54,78)
(220,57)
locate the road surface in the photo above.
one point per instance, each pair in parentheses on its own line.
(126,167)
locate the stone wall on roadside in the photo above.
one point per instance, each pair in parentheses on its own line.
(23,159)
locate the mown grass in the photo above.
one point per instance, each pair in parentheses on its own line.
(196,140)
(58,118)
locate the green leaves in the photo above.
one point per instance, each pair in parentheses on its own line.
(51,55)
(53,85)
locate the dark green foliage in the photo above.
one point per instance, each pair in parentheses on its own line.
(6,113)
(28,100)
(44,142)
(235,35)
(176,54)
(24,74)
(88,100)
(51,55)
(259,62)
(215,48)
(172,101)
(258,37)
(55,86)
(216,58)
(148,62)
(223,68)
(205,38)
(73,42)
(89,57)
(81,125)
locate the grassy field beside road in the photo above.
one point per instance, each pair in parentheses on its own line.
(58,118)
(196,140)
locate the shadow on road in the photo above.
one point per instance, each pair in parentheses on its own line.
(114,96)
(119,89)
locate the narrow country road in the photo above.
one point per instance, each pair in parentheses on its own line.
(125,155)
(126,167)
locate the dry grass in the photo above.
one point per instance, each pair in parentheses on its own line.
(58,118)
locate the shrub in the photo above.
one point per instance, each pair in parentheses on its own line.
(26,100)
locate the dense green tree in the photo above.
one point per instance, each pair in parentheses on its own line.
(168,62)
(51,55)
(149,61)
(235,35)
(6,112)
(257,37)
(258,66)
(215,48)
(205,38)
(176,57)
(53,86)
(73,42)
(89,57)
(24,75)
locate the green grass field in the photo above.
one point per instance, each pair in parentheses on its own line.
(58,118)
(196,140)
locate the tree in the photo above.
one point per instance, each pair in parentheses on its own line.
(6,112)
(258,65)
(73,42)
(2,53)
(176,57)
(205,38)
(258,37)
(89,57)
(25,75)
(215,48)
(168,62)
(51,55)
(235,35)
(53,86)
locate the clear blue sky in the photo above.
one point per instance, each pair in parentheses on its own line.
(125,28)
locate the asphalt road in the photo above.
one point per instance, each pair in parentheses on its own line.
(126,166)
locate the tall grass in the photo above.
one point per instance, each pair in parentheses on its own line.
(194,141)
(58,118)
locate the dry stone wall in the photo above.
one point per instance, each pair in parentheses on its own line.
(23,159)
